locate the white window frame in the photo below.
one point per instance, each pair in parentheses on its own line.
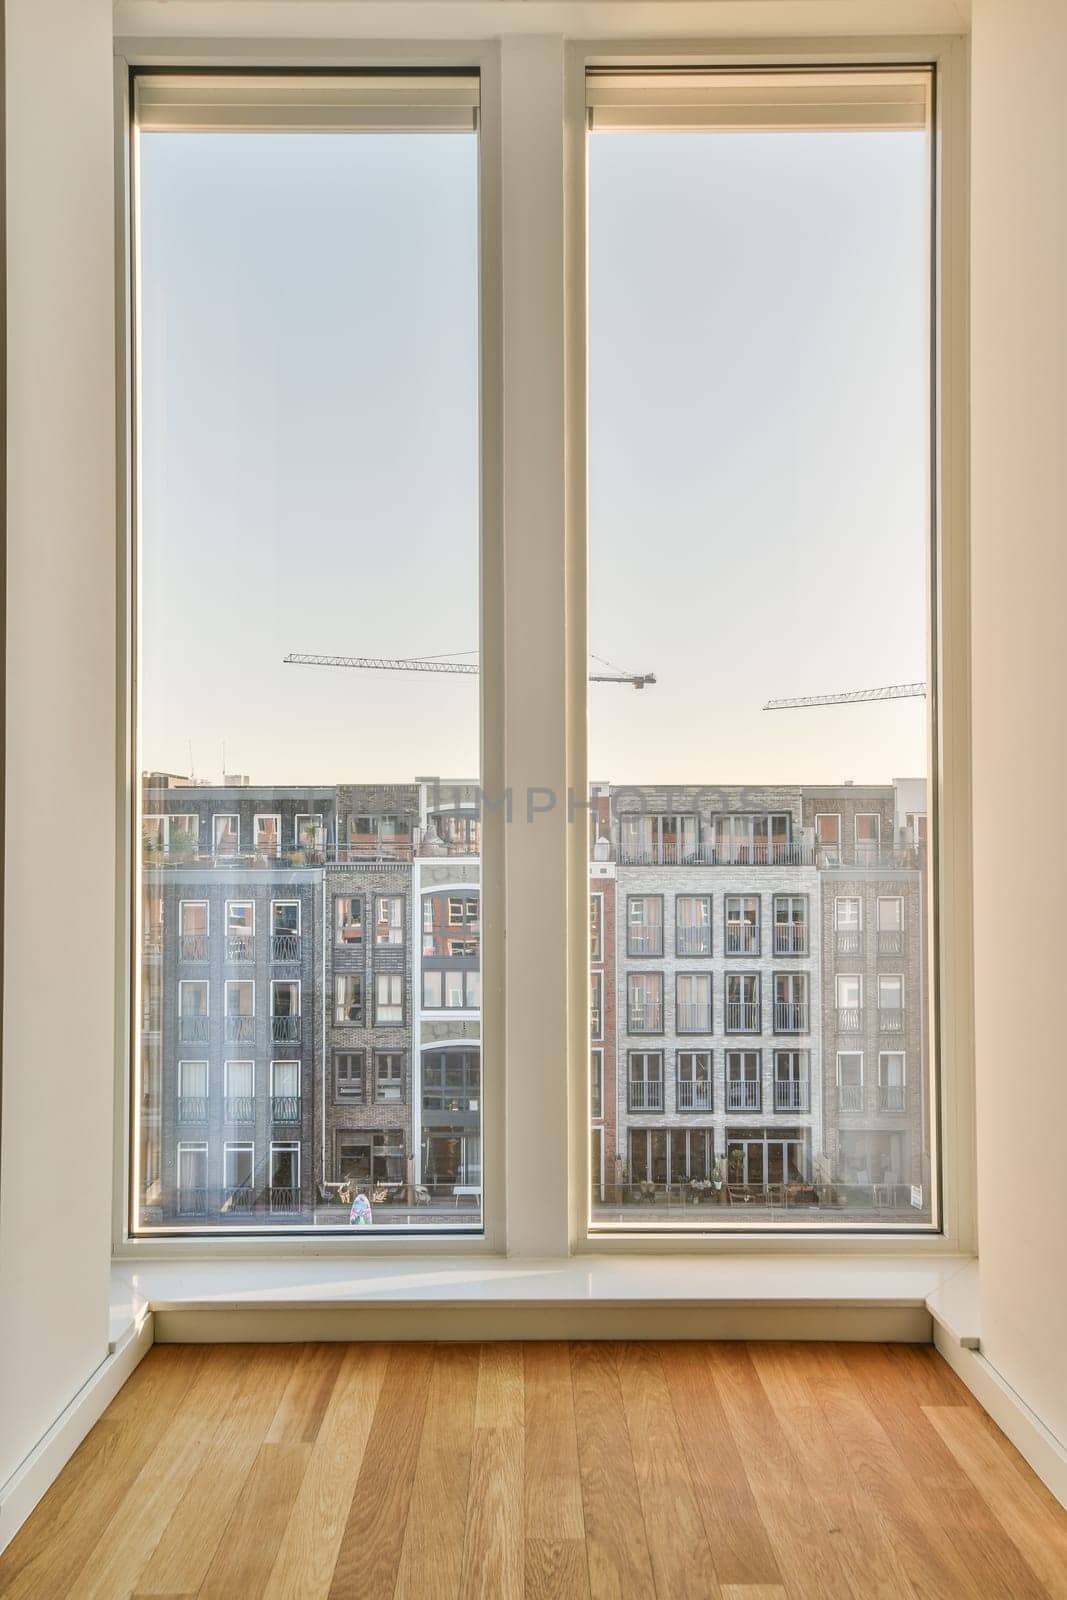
(224,816)
(532,129)
(866,816)
(194,1061)
(237,1061)
(266,816)
(287,900)
(848,900)
(305,816)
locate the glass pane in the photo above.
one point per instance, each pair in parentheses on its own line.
(308,465)
(759,328)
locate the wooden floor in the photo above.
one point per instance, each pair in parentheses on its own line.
(676,1471)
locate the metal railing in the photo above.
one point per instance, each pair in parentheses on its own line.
(193,1030)
(742,1094)
(192,1202)
(192,1108)
(644,941)
(850,1096)
(790,1016)
(890,942)
(646,1018)
(239,1200)
(240,947)
(240,1027)
(240,1108)
(646,1094)
(755,854)
(693,941)
(790,938)
(285,1107)
(285,947)
(891,1019)
(848,941)
(791,1094)
(891,1097)
(284,1030)
(742,938)
(742,1016)
(284,1201)
(193,947)
(694,1094)
(693,1017)
(850,1019)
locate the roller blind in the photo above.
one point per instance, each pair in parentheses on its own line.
(716,100)
(277,102)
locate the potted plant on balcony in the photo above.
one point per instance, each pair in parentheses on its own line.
(182,843)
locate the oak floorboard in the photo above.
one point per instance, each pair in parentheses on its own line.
(432,1556)
(244,1558)
(493,1557)
(307,1394)
(620,1566)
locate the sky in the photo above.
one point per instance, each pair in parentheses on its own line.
(758,437)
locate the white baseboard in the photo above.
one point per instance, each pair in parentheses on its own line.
(36,1473)
(1045,1453)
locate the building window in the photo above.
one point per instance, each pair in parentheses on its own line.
(348,1066)
(240,1009)
(743,1080)
(388,999)
(890,925)
(240,930)
(596,1005)
(309,835)
(348,998)
(849,998)
(450,926)
(848,925)
(753,840)
(743,1002)
(389,920)
(192,1180)
(891,1002)
(692,925)
(645,1080)
(182,833)
(193,1016)
(285,930)
(267,833)
(742,924)
(193,924)
(666,840)
(238,1178)
(692,1002)
(455,989)
(226,833)
(348,920)
(285,1091)
(791,925)
(891,1080)
(694,1085)
(192,1091)
(850,1080)
(791,1002)
(285,1179)
(792,1081)
(284,1011)
(388,1076)
(596,1083)
(915,822)
(240,1091)
(644,925)
(828,838)
(596,927)
(644,1002)
(868,833)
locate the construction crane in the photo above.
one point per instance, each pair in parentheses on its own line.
(892,691)
(637,680)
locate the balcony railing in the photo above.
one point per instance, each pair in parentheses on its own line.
(240,1108)
(850,1019)
(742,1094)
(193,946)
(890,942)
(284,1200)
(790,938)
(284,1030)
(850,1096)
(848,941)
(238,1201)
(790,1016)
(693,941)
(646,1018)
(192,1202)
(241,1028)
(891,1097)
(240,947)
(192,1108)
(694,1018)
(193,1030)
(742,938)
(756,854)
(646,1095)
(642,941)
(694,1094)
(742,1016)
(891,1019)
(791,1094)
(285,947)
(285,1108)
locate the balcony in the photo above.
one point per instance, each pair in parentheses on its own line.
(284,1030)
(238,1201)
(646,1095)
(848,941)
(891,1019)
(241,1028)
(850,1019)
(742,1016)
(285,1108)
(742,1094)
(790,1016)
(192,1108)
(890,942)
(285,947)
(644,941)
(240,947)
(647,1018)
(850,1096)
(240,1108)
(193,947)
(742,938)
(284,1201)
(192,1202)
(756,854)
(694,1094)
(790,938)
(694,1018)
(193,1030)
(791,1094)
(891,1097)
(693,941)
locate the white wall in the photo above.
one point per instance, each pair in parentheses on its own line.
(55,1172)
(1019,523)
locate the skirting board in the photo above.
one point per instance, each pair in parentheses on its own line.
(35,1475)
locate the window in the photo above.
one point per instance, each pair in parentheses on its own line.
(692,928)
(450,927)
(388,998)
(868,830)
(792,1078)
(596,927)
(694,1087)
(790,925)
(743,1075)
(348,920)
(645,1080)
(828,838)
(743,1002)
(791,1002)
(848,925)
(389,920)
(849,997)
(596,1005)
(693,1002)
(348,997)
(388,1076)
(644,995)
(596,1082)
(891,1080)
(644,925)
(742,924)
(850,1080)
(348,1066)
(915,822)
(453,989)
(308,334)
(659,840)
(890,925)
(891,1002)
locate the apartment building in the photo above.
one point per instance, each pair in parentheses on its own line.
(607,1161)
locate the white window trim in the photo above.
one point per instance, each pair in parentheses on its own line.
(237,1061)
(865,816)
(187,983)
(884,1055)
(852,1054)
(276,983)
(200,901)
(287,901)
(193,1061)
(237,983)
(235,902)
(267,816)
(225,816)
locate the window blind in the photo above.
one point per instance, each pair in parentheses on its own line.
(305,103)
(728,100)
